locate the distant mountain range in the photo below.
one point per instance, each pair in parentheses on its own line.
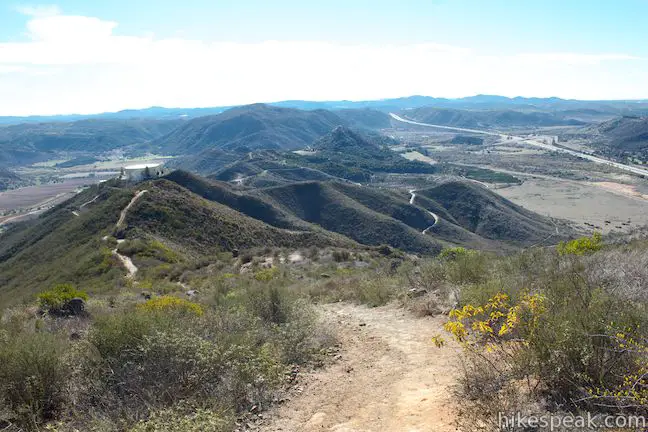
(472,102)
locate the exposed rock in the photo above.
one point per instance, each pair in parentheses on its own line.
(75,307)
(416,292)
(245,268)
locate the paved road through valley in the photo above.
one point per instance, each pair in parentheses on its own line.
(541,144)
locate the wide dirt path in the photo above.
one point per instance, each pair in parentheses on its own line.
(390,377)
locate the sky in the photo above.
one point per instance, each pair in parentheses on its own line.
(90,56)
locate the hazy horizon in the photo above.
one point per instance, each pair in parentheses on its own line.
(65,114)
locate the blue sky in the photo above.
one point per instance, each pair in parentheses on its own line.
(92,56)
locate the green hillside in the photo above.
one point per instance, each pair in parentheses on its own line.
(323,204)
(184,217)
(195,224)
(252,206)
(488,118)
(167,221)
(251,127)
(489,215)
(27,143)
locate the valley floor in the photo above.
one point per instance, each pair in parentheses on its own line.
(389,376)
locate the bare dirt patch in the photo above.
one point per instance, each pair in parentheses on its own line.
(414,155)
(389,377)
(581,203)
(625,189)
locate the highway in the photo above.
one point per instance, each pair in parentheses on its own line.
(541,144)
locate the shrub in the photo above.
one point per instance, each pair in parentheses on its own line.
(565,340)
(149,249)
(454,253)
(32,378)
(467,267)
(581,246)
(58,297)
(265,275)
(271,304)
(375,292)
(171,304)
(147,362)
(185,420)
(341,255)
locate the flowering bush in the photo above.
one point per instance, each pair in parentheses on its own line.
(581,246)
(171,304)
(496,320)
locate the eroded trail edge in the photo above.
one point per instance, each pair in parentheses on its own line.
(390,377)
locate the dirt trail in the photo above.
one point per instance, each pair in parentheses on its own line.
(124,212)
(390,377)
(126,261)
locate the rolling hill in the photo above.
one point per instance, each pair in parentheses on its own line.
(488,118)
(8,179)
(27,143)
(250,127)
(341,153)
(490,216)
(168,224)
(622,137)
(183,217)
(365,118)
(336,210)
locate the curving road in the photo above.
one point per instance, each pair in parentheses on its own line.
(436,218)
(541,144)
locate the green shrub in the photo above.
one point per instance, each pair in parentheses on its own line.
(454,252)
(271,304)
(376,292)
(185,420)
(581,246)
(56,298)
(565,335)
(149,249)
(467,267)
(33,378)
(265,275)
(171,304)
(341,255)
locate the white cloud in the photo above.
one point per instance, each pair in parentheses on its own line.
(39,11)
(78,64)
(572,58)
